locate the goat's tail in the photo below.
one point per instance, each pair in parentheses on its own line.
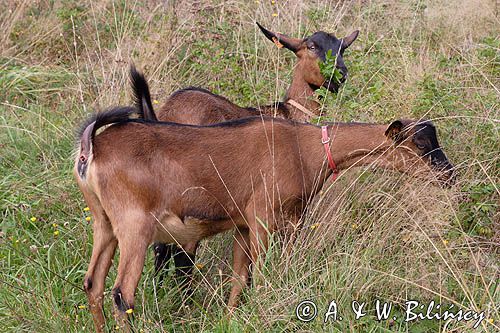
(89,128)
(142,97)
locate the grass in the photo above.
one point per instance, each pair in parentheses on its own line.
(371,235)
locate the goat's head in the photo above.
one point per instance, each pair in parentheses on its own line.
(310,50)
(416,151)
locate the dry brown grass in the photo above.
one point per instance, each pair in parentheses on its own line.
(372,235)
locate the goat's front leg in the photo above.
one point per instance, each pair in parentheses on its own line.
(133,243)
(259,242)
(184,262)
(241,265)
(162,254)
(290,233)
(103,251)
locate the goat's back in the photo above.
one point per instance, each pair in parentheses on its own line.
(196,106)
(203,172)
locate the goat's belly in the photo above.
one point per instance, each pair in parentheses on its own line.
(171,229)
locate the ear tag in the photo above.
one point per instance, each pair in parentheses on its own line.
(277,43)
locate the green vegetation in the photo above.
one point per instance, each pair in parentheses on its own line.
(371,235)
(329,71)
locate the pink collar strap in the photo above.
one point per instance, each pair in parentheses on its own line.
(325,140)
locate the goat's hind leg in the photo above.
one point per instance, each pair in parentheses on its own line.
(134,237)
(103,251)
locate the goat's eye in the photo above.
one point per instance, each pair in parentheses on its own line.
(311,47)
(421,147)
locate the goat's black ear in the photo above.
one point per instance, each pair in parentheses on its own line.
(293,44)
(347,41)
(395,131)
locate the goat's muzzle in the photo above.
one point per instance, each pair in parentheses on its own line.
(446,173)
(332,85)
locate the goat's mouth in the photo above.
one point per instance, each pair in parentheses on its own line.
(442,174)
(333,85)
(445,173)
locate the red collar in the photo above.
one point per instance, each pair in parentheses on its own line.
(325,140)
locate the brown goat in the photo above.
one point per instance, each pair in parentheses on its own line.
(198,106)
(153,181)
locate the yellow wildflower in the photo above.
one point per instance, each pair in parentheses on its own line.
(491,321)
(445,242)
(88,218)
(275,14)
(86,209)
(155,101)
(33,219)
(54,225)
(81,307)
(200,265)
(354,226)
(129,311)
(314,226)
(56,232)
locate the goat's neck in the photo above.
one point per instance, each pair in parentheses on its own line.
(350,145)
(358,144)
(301,92)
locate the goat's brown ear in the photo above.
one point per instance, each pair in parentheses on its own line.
(347,41)
(293,44)
(395,131)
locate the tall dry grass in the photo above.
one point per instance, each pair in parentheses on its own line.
(371,235)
